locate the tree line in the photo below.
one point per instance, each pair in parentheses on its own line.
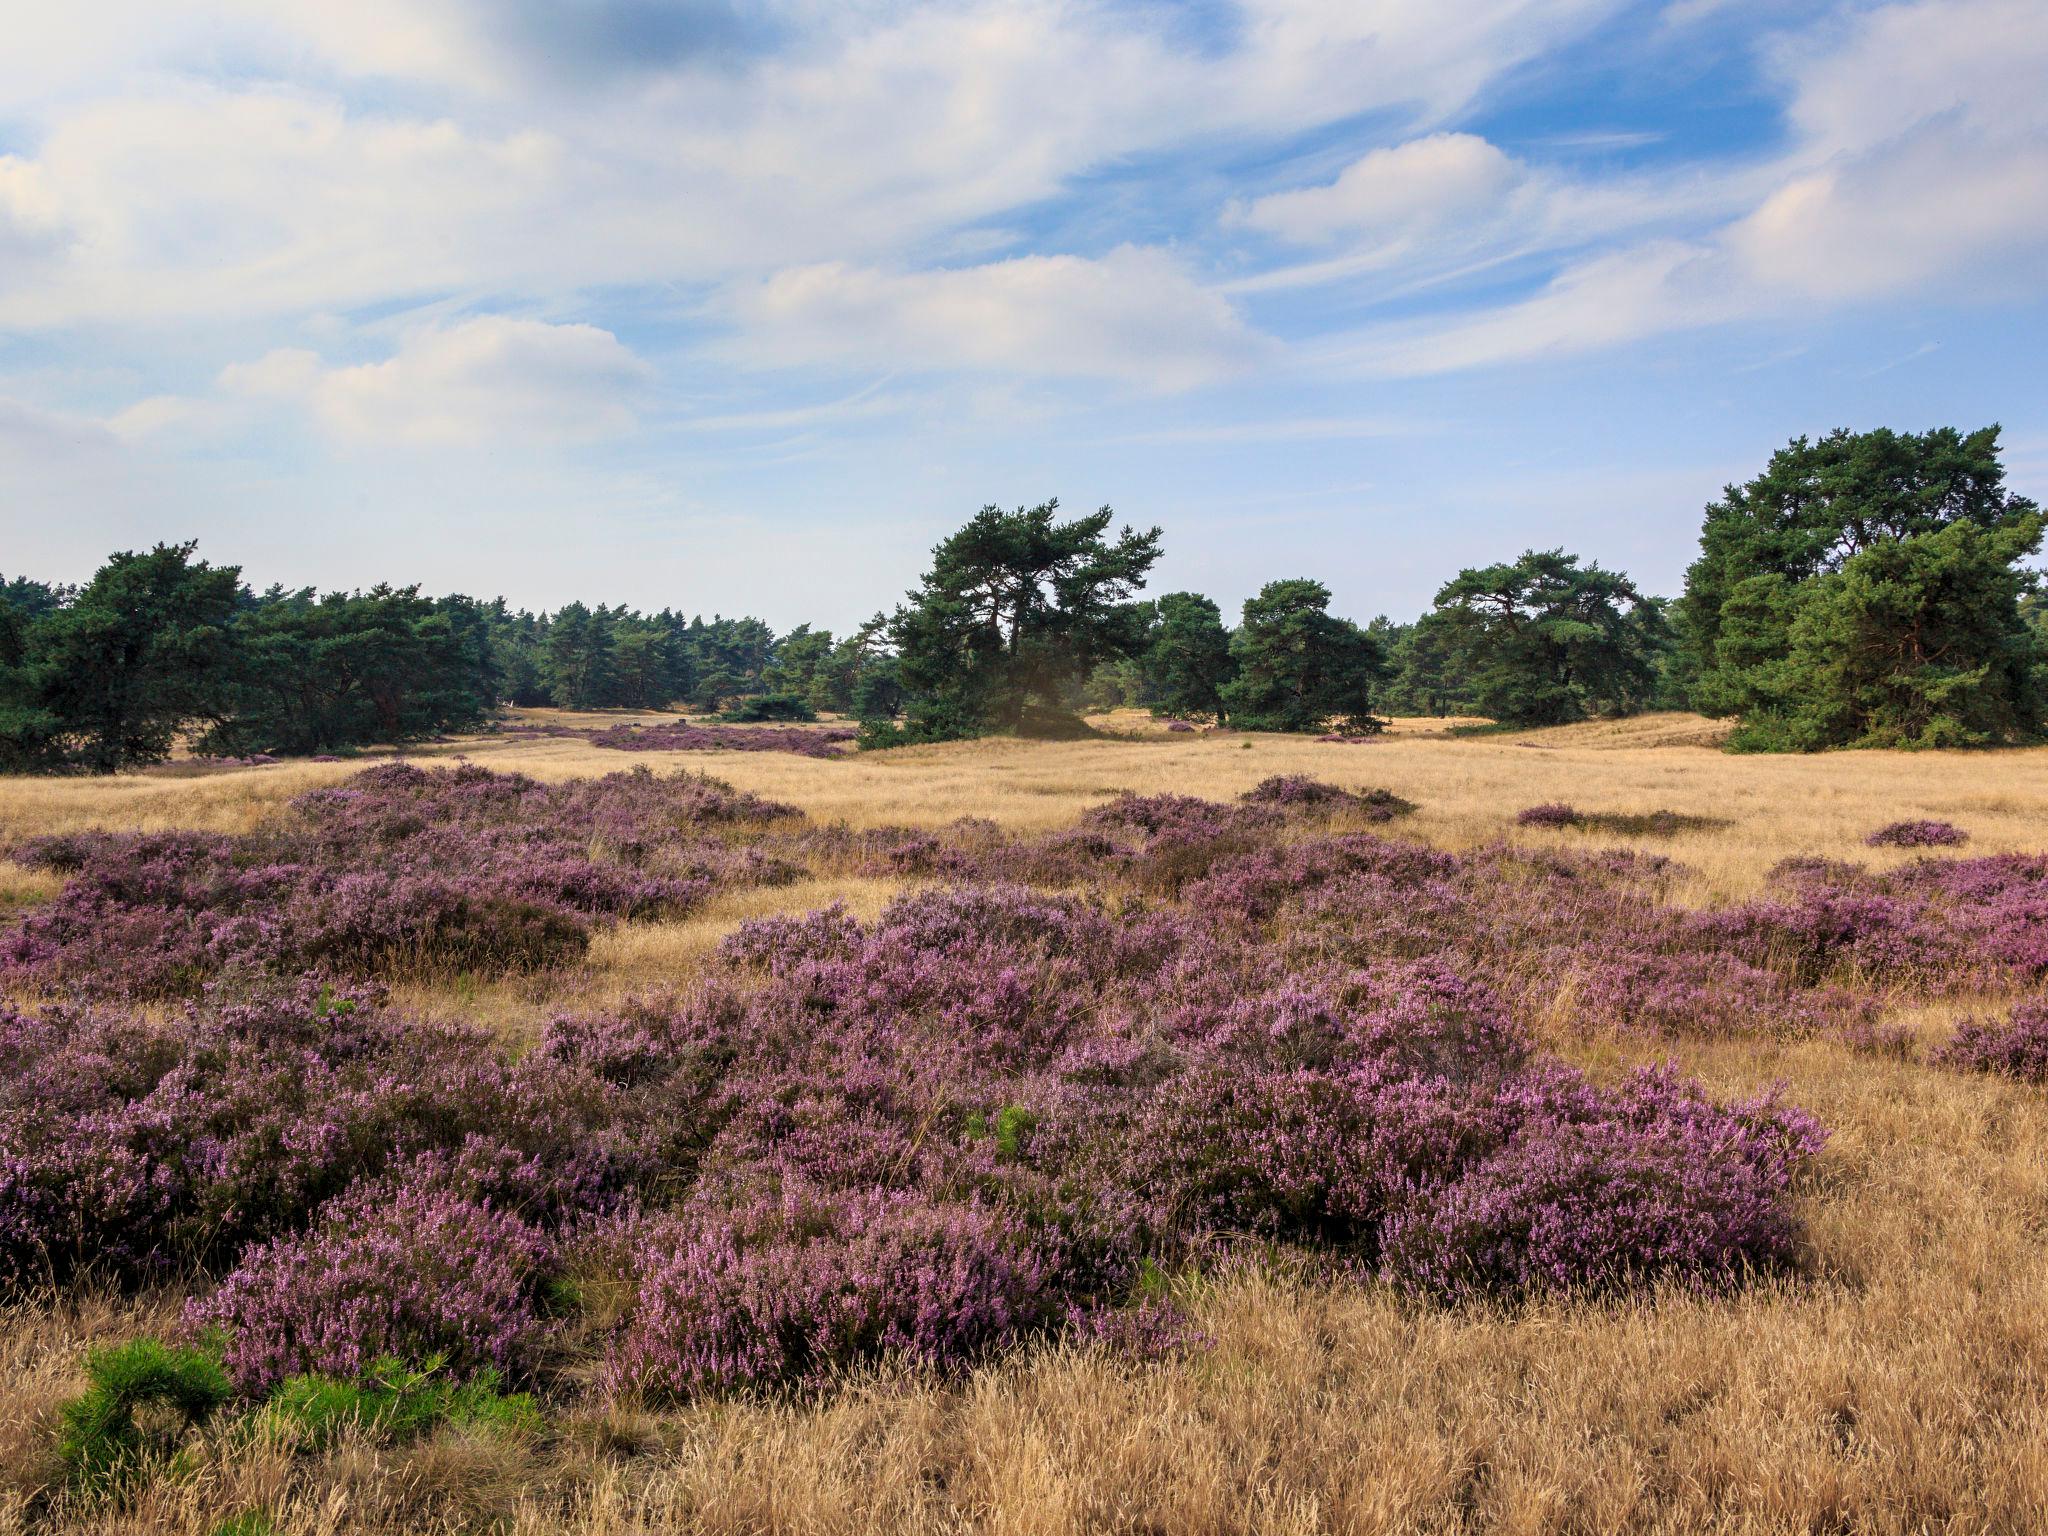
(1867,589)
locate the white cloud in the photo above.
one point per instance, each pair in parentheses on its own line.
(1132,316)
(1392,191)
(489,379)
(177,190)
(1921,167)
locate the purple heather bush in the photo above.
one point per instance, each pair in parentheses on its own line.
(1918,834)
(1298,792)
(790,1289)
(411,1268)
(2015,1047)
(806,741)
(1553,813)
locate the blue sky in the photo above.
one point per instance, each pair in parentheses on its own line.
(739,307)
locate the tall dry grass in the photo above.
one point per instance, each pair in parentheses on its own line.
(1900,1385)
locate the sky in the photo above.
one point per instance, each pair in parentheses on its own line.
(740,305)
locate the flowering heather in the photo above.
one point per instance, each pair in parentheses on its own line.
(1918,834)
(447,869)
(806,741)
(1298,792)
(788,1290)
(1552,814)
(2016,1047)
(988,1114)
(411,1269)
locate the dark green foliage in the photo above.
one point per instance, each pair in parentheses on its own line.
(1298,667)
(769,706)
(647,666)
(109,676)
(250,1522)
(922,720)
(315,674)
(803,670)
(1864,590)
(1425,676)
(98,1439)
(1544,640)
(1189,662)
(143,648)
(1014,614)
(577,661)
(395,1402)
(1915,642)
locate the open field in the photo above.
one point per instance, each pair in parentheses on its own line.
(1893,1378)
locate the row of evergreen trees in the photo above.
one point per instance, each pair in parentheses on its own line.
(161,645)
(1868,589)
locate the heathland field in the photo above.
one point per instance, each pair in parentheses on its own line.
(1171,1131)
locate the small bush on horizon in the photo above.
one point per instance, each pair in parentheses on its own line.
(763,708)
(1918,834)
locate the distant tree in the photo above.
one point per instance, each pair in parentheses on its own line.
(1016,611)
(1189,661)
(1425,678)
(142,650)
(29,734)
(1545,640)
(313,674)
(578,662)
(1299,667)
(839,677)
(1817,506)
(644,665)
(1918,641)
(800,660)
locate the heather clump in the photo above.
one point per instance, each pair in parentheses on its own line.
(791,1290)
(401,869)
(2014,1047)
(1593,1190)
(1918,834)
(413,1268)
(805,741)
(1298,792)
(1658,823)
(140,1147)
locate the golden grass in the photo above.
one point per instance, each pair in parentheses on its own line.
(1900,1386)
(1469,788)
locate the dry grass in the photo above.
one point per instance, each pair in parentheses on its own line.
(1901,1386)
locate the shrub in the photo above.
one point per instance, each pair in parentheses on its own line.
(1551,814)
(412,1270)
(1294,791)
(1918,834)
(1653,1183)
(759,707)
(98,1439)
(792,1292)
(2016,1047)
(395,1402)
